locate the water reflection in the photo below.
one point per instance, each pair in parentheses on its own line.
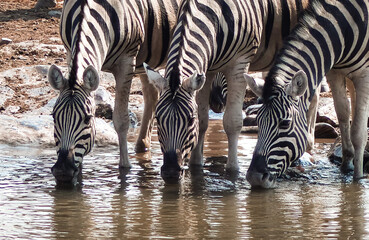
(208,203)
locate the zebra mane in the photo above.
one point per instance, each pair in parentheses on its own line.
(269,87)
(75,50)
(271,84)
(174,74)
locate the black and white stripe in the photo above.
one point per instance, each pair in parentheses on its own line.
(332,38)
(221,36)
(218,93)
(113,36)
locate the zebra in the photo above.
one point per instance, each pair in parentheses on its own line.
(330,39)
(116,36)
(214,36)
(218,93)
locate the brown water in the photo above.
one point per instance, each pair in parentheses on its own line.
(207,204)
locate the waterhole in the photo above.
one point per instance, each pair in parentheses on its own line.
(208,203)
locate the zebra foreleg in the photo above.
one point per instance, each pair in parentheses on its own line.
(123,74)
(232,120)
(202,99)
(311,120)
(359,133)
(150,95)
(337,84)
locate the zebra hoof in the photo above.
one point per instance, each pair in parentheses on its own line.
(141,147)
(347,167)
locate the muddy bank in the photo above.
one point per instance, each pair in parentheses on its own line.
(27,100)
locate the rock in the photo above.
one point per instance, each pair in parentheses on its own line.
(45,4)
(250,121)
(305,160)
(250,129)
(5,41)
(325,130)
(104,103)
(133,119)
(104,111)
(326,108)
(325,119)
(105,133)
(324,87)
(335,156)
(55,13)
(30,129)
(33,123)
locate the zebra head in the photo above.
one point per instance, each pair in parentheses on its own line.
(74,122)
(177,121)
(282,129)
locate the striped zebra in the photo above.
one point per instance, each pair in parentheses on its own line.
(214,36)
(114,36)
(332,39)
(218,93)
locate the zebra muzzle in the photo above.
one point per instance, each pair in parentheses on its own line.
(172,169)
(65,170)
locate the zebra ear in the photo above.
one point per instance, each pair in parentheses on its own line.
(256,84)
(298,84)
(56,79)
(194,83)
(90,78)
(155,78)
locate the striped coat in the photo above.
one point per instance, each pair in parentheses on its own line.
(113,36)
(332,39)
(212,36)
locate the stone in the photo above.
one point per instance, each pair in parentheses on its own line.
(250,121)
(325,130)
(335,156)
(45,4)
(324,87)
(5,41)
(325,119)
(55,13)
(104,103)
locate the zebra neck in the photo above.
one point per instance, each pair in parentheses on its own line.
(189,49)
(81,60)
(313,47)
(87,45)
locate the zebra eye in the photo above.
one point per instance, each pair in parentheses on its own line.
(284,123)
(87,119)
(191,121)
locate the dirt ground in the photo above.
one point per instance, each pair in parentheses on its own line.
(27,28)
(20,22)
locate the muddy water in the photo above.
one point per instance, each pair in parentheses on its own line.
(207,204)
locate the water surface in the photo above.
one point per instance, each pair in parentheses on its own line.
(207,204)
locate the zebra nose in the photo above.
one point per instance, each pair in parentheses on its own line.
(171,175)
(171,171)
(260,180)
(64,170)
